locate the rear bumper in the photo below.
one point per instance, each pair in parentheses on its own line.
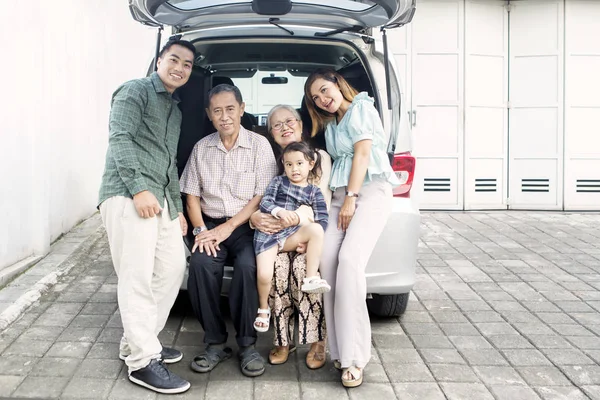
(392,266)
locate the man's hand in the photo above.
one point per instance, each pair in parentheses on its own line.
(209,247)
(217,235)
(288,218)
(266,223)
(146,204)
(183,223)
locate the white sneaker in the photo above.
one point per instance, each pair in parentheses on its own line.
(314,284)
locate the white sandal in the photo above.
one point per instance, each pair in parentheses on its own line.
(262,320)
(314,284)
(355,373)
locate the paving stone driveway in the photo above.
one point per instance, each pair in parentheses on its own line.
(505,307)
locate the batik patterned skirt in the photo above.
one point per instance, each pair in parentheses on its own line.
(286,298)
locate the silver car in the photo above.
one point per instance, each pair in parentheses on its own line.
(268,48)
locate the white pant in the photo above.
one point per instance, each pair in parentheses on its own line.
(149,258)
(343,263)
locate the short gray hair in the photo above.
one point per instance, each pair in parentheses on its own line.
(281,107)
(225,88)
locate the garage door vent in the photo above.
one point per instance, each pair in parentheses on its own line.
(485,185)
(588,185)
(535,185)
(437,184)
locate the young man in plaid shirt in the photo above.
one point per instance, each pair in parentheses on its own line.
(141,209)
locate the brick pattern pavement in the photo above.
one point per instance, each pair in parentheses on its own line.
(505,307)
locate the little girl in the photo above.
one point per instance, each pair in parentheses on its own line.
(285,194)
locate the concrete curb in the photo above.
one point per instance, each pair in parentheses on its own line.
(32,294)
(8,274)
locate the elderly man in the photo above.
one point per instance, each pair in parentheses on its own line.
(224,180)
(142,211)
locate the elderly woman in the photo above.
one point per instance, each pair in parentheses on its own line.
(285,126)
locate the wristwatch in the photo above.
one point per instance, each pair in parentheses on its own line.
(199,229)
(351,194)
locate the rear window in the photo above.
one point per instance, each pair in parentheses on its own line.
(260,97)
(349,5)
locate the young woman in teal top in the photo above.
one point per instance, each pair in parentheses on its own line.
(361,181)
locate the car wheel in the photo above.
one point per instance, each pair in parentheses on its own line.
(389,305)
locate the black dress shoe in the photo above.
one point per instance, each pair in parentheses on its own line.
(155,376)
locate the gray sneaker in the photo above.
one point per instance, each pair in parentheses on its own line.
(168,355)
(155,376)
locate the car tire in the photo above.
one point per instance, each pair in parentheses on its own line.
(389,305)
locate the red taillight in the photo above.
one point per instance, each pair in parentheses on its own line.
(404,167)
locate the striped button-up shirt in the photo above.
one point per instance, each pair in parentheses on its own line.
(144,128)
(226,180)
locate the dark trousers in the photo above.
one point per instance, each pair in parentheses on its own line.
(205,281)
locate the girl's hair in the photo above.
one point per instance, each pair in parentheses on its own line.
(318,116)
(310,155)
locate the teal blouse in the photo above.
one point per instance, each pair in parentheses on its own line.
(360,122)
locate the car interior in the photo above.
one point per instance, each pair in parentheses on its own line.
(225,61)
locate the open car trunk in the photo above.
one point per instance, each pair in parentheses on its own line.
(237,41)
(185,15)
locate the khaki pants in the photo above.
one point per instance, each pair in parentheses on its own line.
(149,259)
(345,257)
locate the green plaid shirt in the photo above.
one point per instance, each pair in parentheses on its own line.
(144,128)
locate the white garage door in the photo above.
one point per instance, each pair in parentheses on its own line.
(507,102)
(486,97)
(536,99)
(582,105)
(437,100)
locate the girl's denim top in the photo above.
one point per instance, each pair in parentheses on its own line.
(360,122)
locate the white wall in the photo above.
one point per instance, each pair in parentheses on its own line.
(61,61)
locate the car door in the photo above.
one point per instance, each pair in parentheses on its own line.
(186,15)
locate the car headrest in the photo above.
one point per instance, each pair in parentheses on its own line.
(303,107)
(217,80)
(261,130)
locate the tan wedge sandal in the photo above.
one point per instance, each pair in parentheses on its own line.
(356,377)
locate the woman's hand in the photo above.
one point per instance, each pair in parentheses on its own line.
(301,248)
(266,223)
(346,213)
